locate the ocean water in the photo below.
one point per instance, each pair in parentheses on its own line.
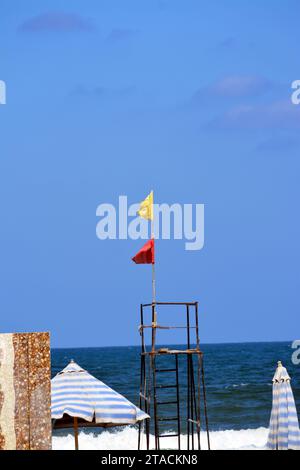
(238,385)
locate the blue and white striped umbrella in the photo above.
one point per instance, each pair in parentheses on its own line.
(78,394)
(284,431)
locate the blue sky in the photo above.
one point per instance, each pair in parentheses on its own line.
(198,90)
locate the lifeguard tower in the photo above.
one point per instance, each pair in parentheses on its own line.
(172,382)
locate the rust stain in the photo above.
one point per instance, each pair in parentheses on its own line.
(39,391)
(22,411)
(33,391)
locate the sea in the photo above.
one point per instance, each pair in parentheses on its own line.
(238,386)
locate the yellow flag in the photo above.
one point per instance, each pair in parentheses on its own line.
(146,208)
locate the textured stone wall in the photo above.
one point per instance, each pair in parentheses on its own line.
(25,391)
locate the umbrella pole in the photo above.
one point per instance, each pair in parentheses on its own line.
(76,432)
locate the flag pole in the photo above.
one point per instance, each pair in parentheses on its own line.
(153,264)
(153,284)
(153,281)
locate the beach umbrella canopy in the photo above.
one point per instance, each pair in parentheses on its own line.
(284,431)
(76,393)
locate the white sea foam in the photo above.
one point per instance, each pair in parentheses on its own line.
(237,385)
(126,439)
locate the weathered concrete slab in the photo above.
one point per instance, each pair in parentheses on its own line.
(25,391)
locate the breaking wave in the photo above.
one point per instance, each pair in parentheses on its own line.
(126,439)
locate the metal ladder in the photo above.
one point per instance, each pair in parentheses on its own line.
(158,402)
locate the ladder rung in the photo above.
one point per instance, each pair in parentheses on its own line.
(173,418)
(165,370)
(166,386)
(168,435)
(167,402)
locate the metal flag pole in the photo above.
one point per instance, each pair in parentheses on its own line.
(153,264)
(153,280)
(153,284)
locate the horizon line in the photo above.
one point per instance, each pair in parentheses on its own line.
(172,344)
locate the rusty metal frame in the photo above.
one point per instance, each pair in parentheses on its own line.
(196,401)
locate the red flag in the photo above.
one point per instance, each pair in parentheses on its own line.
(146,254)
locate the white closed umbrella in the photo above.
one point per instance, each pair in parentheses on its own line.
(284,433)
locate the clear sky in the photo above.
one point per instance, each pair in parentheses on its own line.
(191,98)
